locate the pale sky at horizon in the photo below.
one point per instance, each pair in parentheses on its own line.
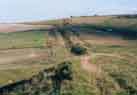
(29,10)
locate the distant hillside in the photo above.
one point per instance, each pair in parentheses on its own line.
(4,28)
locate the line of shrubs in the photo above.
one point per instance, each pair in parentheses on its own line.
(47,82)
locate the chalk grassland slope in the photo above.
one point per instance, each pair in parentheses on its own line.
(114,56)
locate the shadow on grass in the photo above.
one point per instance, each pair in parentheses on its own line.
(126,33)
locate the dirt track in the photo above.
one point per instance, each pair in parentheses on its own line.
(87,65)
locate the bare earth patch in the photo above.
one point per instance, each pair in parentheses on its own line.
(88,66)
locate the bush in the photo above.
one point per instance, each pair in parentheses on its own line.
(64,71)
(78,50)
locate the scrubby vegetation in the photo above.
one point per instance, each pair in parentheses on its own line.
(47,82)
(78,50)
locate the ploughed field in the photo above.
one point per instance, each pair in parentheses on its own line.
(109,68)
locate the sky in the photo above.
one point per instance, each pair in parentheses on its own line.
(32,10)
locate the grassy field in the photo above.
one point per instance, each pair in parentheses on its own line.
(27,39)
(20,55)
(112,65)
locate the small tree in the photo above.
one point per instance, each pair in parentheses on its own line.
(62,72)
(78,50)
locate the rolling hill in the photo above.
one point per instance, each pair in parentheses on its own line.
(108,67)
